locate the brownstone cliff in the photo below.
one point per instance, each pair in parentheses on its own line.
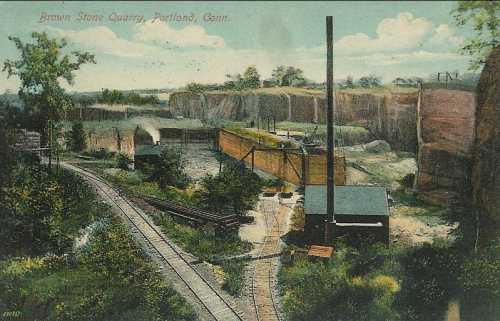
(388,115)
(486,161)
(446,121)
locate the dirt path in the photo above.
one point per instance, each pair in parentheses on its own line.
(275,217)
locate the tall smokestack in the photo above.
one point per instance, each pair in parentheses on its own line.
(330,211)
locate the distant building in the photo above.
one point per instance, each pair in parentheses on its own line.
(147,154)
(359,211)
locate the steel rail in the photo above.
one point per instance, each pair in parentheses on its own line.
(200,296)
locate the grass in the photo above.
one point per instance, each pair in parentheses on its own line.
(345,135)
(106,126)
(210,246)
(262,136)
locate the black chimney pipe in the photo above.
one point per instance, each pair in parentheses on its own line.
(330,211)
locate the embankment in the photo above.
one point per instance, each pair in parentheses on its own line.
(291,166)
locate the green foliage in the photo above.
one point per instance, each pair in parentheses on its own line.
(429,282)
(287,76)
(479,277)
(122,161)
(108,278)
(250,78)
(40,68)
(114,96)
(202,242)
(7,156)
(370,81)
(484,16)
(234,190)
(169,169)
(40,213)
(326,291)
(77,137)
(233,276)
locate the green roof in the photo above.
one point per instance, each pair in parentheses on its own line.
(144,150)
(349,200)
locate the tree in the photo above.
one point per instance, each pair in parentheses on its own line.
(485,19)
(349,82)
(286,76)
(370,81)
(251,78)
(233,190)
(40,68)
(77,137)
(169,169)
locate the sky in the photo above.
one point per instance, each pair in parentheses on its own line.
(169,44)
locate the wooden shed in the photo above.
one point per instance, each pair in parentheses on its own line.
(359,211)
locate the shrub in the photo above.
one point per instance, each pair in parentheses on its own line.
(122,161)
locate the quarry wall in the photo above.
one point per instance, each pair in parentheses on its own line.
(115,141)
(388,116)
(446,135)
(287,166)
(486,160)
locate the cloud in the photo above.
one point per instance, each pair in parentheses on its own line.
(103,40)
(157,55)
(402,32)
(444,35)
(158,32)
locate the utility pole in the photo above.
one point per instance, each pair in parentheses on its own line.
(330,197)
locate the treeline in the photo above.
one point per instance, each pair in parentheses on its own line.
(115,97)
(250,79)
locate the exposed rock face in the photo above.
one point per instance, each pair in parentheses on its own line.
(486,166)
(445,149)
(388,116)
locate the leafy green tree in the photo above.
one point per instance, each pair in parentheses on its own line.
(251,78)
(234,190)
(40,68)
(370,81)
(169,169)
(77,137)
(286,76)
(485,19)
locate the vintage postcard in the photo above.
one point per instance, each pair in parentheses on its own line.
(250,161)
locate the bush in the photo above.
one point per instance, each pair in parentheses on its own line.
(317,291)
(234,272)
(234,190)
(429,282)
(123,161)
(168,170)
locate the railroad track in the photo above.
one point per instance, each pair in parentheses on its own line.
(216,305)
(193,214)
(263,270)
